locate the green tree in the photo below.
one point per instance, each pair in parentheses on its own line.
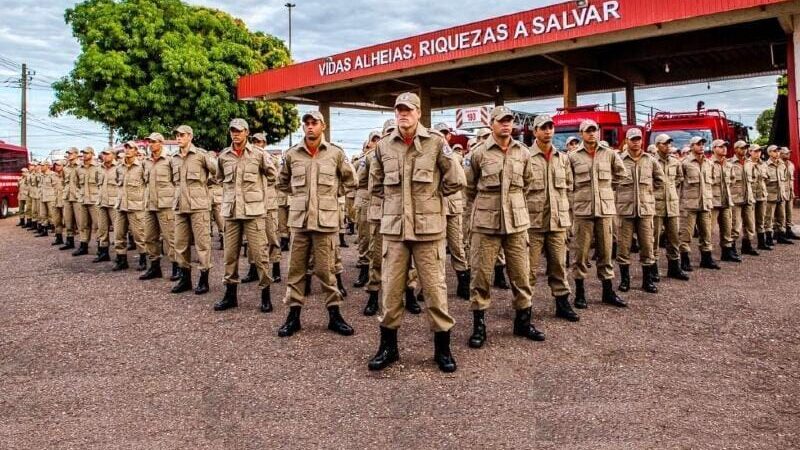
(764,126)
(151,65)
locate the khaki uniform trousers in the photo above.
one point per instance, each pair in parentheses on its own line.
(29,208)
(724,219)
(703,221)
(743,222)
(88,222)
(106,217)
(322,246)
(376,262)
(273,239)
(775,216)
(599,230)
(397,258)
(350,209)
(466,224)
(553,244)
(643,227)
(283,220)
(57,219)
(23,205)
(34,213)
(159,226)
(216,216)
(363,230)
(484,248)
(132,221)
(193,228)
(455,242)
(787,213)
(46,213)
(72,214)
(671,226)
(255,231)
(760,212)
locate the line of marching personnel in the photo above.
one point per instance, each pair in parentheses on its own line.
(496,207)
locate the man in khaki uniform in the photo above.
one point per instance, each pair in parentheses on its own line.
(636,207)
(786,155)
(106,206)
(243,169)
(760,196)
(743,177)
(667,218)
(215,190)
(42,218)
(776,197)
(33,197)
(88,181)
(696,204)
(131,204)
(722,213)
(57,218)
(72,204)
(282,199)
(312,174)
(362,208)
(191,168)
(548,209)
(595,170)
(412,171)
(47,185)
(22,196)
(159,217)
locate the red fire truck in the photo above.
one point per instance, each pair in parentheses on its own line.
(709,123)
(568,120)
(12,159)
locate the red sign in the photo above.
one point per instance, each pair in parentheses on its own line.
(535,27)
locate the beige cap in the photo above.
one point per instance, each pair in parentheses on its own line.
(718,143)
(772,148)
(442,127)
(663,139)
(501,112)
(88,150)
(260,137)
(389,125)
(541,119)
(408,99)
(373,135)
(572,138)
(24,169)
(184,129)
(471,142)
(755,148)
(652,148)
(155,137)
(785,150)
(59,162)
(697,140)
(107,151)
(633,133)
(316,115)
(132,144)
(458,147)
(239,124)
(586,124)
(72,150)
(483,132)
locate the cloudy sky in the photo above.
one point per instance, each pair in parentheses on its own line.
(35,33)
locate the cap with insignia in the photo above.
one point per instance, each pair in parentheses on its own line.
(316,115)
(633,133)
(542,119)
(740,144)
(501,112)
(408,99)
(697,140)
(238,124)
(130,144)
(184,129)
(155,137)
(261,137)
(718,143)
(663,139)
(586,124)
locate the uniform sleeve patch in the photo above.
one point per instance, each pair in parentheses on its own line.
(468,161)
(447,150)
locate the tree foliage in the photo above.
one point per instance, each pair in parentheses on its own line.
(764,126)
(151,65)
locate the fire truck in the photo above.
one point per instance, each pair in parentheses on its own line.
(470,119)
(12,160)
(568,120)
(710,124)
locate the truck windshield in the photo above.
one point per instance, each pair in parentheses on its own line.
(681,138)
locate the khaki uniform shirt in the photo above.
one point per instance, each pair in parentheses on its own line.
(131,181)
(594,178)
(413,181)
(190,175)
(455,202)
(109,190)
(375,212)
(721,183)
(789,179)
(24,187)
(548,198)
(362,178)
(776,181)
(243,179)
(635,193)
(89,180)
(743,177)
(760,180)
(71,183)
(160,188)
(33,182)
(668,201)
(48,188)
(59,202)
(313,183)
(696,193)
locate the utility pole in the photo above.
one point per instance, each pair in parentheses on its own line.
(290,6)
(110,137)
(23,119)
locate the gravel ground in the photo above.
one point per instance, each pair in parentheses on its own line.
(95,359)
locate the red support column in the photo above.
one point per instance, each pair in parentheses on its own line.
(794,121)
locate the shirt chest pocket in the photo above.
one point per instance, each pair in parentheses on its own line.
(582,174)
(391,171)
(604,171)
(423,171)
(490,175)
(672,172)
(518,168)
(560,177)
(251,173)
(298,174)
(326,175)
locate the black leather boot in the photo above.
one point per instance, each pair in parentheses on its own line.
(624,278)
(102,255)
(284,244)
(154,271)
(41,231)
(674,270)
(307,286)
(142,262)
(387,350)
(737,257)
(351,228)
(363,277)
(266,300)
(342,242)
(780,238)
(648,285)
(32,225)
(252,274)
(790,234)
(276,272)
(478,337)
(686,262)
(500,278)
(654,274)
(580,295)
(441,353)
(292,324)
(762,241)
(21,222)
(184,282)
(747,248)
(610,297)
(768,240)
(707,261)
(221,242)
(70,244)
(524,327)
(411,302)
(564,310)
(372,304)
(176,272)
(59,239)
(131,242)
(340,285)
(336,322)
(202,283)
(230,300)
(120,264)
(462,291)
(567,259)
(83,249)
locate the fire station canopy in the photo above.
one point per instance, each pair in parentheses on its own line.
(597,45)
